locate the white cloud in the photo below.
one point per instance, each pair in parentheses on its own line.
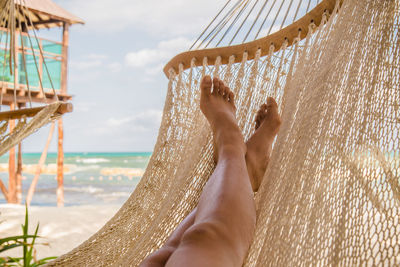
(145,121)
(158,17)
(155,70)
(90,61)
(94,56)
(154,59)
(114,66)
(143,57)
(85,64)
(83,106)
(95,61)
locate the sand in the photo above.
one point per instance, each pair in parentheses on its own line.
(63,228)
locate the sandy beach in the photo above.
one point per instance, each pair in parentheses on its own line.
(63,228)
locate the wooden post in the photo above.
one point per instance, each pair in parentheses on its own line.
(60,165)
(12,186)
(19,171)
(19,174)
(16,77)
(4,190)
(42,160)
(41,83)
(64,63)
(20,87)
(60,155)
(12,175)
(12,181)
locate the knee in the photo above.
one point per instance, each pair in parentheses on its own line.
(206,232)
(159,257)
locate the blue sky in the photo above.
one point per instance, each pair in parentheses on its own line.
(115,70)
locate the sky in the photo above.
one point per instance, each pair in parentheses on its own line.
(115,70)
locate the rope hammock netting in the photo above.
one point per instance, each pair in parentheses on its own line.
(243,21)
(24,68)
(331,192)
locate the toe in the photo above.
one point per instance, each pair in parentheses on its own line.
(261,113)
(206,85)
(272,107)
(215,86)
(221,88)
(263,107)
(272,113)
(231,97)
(226,93)
(231,100)
(271,104)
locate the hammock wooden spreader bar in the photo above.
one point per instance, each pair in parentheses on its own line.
(289,33)
(31,112)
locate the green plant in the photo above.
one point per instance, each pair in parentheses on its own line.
(27,242)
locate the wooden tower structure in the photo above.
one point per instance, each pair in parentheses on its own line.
(44,14)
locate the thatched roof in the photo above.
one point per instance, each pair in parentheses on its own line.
(47,14)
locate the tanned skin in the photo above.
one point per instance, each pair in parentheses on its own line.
(219,231)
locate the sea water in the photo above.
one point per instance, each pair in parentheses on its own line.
(89,178)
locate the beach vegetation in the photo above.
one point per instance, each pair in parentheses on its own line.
(25,241)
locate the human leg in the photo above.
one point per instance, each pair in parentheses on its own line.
(256,159)
(160,257)
(259,145)
(225,216)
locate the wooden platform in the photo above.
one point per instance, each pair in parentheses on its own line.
(36,97)
(30,112)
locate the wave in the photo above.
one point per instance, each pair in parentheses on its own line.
(89,189)
(75,168)
(92,160)
(51,169)
(97,192)
(46,169)
(135,172)
(114,194)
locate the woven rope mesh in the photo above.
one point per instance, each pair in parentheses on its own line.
(26,127)
(331,193)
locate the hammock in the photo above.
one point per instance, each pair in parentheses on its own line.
(331,193)
(15,22)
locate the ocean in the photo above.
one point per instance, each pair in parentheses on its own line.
(89,178)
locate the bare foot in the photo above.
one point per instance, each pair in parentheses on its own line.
(259,145)
(217,104)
